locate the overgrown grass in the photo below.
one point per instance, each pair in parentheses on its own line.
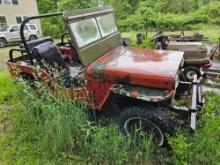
(46,130)
(203,146)
(7,88)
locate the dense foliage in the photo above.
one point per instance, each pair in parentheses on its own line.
(168,14)
(141,14)
(47,130)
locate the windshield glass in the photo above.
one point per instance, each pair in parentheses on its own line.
(85,31)
(91,30)
(107,24)
(4,28)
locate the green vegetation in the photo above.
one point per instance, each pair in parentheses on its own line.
(7,88)
(203,146)
(145,15)
(46,130)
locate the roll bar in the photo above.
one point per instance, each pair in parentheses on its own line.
(22,30)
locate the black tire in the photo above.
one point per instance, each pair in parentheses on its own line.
(3,43)
(155,121)
(190,71)
(32,37)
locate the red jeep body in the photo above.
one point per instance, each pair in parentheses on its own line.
(108,65)
(138,67)
(95,66)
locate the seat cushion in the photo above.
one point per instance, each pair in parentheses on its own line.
(49,53)
(32,44)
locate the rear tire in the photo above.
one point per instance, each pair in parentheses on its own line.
(153,121)
(3,43)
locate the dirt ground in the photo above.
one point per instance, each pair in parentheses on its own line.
(4,52)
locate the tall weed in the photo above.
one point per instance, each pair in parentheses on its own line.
(203,146)
(49,129)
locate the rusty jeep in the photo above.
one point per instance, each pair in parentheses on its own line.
(136,85)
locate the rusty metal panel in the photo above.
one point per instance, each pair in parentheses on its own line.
(143,67)
(143,93)
(20,67)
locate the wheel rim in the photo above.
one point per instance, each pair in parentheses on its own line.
(190,74)
(143,128)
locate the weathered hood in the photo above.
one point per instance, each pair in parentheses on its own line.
(143,67)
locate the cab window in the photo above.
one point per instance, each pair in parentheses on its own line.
(32,27)
(26,28)
(14,28)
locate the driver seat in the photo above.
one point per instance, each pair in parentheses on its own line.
(48,52)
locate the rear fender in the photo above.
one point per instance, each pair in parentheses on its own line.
(142,93)
(19,68)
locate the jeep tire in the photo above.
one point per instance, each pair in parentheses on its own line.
(3,42)
(153,121)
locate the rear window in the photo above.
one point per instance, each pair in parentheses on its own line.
(32,27)
(15,28)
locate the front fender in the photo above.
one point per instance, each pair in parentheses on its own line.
(142,93)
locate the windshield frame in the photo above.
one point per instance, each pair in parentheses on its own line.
(76,17)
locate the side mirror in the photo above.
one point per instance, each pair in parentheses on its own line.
(12,30)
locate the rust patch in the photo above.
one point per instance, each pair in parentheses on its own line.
(143,67)
(134,93)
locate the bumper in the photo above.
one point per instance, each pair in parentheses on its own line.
(197,100)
